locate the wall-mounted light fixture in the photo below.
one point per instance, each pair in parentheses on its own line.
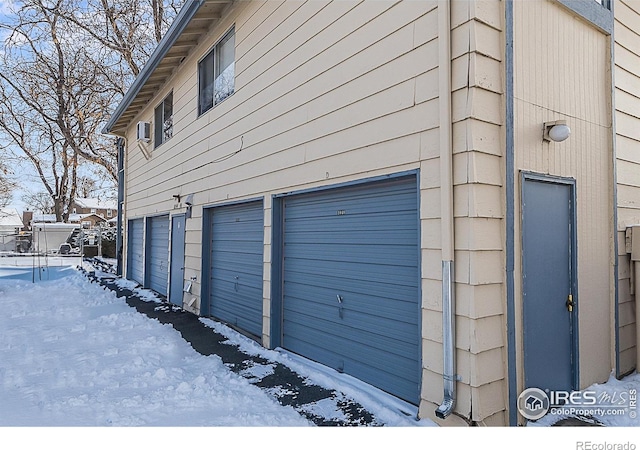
(188,201)
(556,131)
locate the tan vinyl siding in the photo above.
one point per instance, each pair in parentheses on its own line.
(324,92)
(627,106)
(289,133)
(572,83)
(327,92)
(479,269)
(337,91)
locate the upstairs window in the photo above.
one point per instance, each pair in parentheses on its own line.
(216,73)
(163,125)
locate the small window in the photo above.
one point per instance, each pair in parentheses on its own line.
(93,210)
(163,126)
(216,73)
(109,213)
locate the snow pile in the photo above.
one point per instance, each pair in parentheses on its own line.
(388,409)
(73,354)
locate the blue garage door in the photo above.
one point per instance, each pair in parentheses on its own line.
(235,277)
(135,250)
(351,282)
(157,260)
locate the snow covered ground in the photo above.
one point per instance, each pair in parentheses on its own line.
(74,355)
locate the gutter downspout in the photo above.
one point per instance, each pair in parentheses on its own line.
(446,198)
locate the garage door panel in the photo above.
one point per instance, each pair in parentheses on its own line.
(236,265)
(305,311)
(238,291)
(350,254)
(239,227)
(377,294)
(353,237)
(375,307)
(158,276)
(392,199)
(158,258)
(330,307)
(363,351)
(382,378)
(375,220)
(327,277)
(359,245)
(247,274)
(366,273)
(333,263)
(135,248)
(235,244)
(240,314)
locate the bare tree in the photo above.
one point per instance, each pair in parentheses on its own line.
(39,201)
(65,66)
(128,30)
(87,187)
(6,185)
(42,85)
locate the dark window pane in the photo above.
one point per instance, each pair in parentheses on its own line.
(205,69)
(157,126)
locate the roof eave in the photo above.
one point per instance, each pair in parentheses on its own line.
(181,21)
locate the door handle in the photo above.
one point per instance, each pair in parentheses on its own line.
(570,303)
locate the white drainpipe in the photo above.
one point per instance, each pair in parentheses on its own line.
(446,197)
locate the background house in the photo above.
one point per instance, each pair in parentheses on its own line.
(348,181)
(10,226)
(105,208)
(86,220)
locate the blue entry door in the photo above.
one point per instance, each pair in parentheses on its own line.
(548,255)
(176,275)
